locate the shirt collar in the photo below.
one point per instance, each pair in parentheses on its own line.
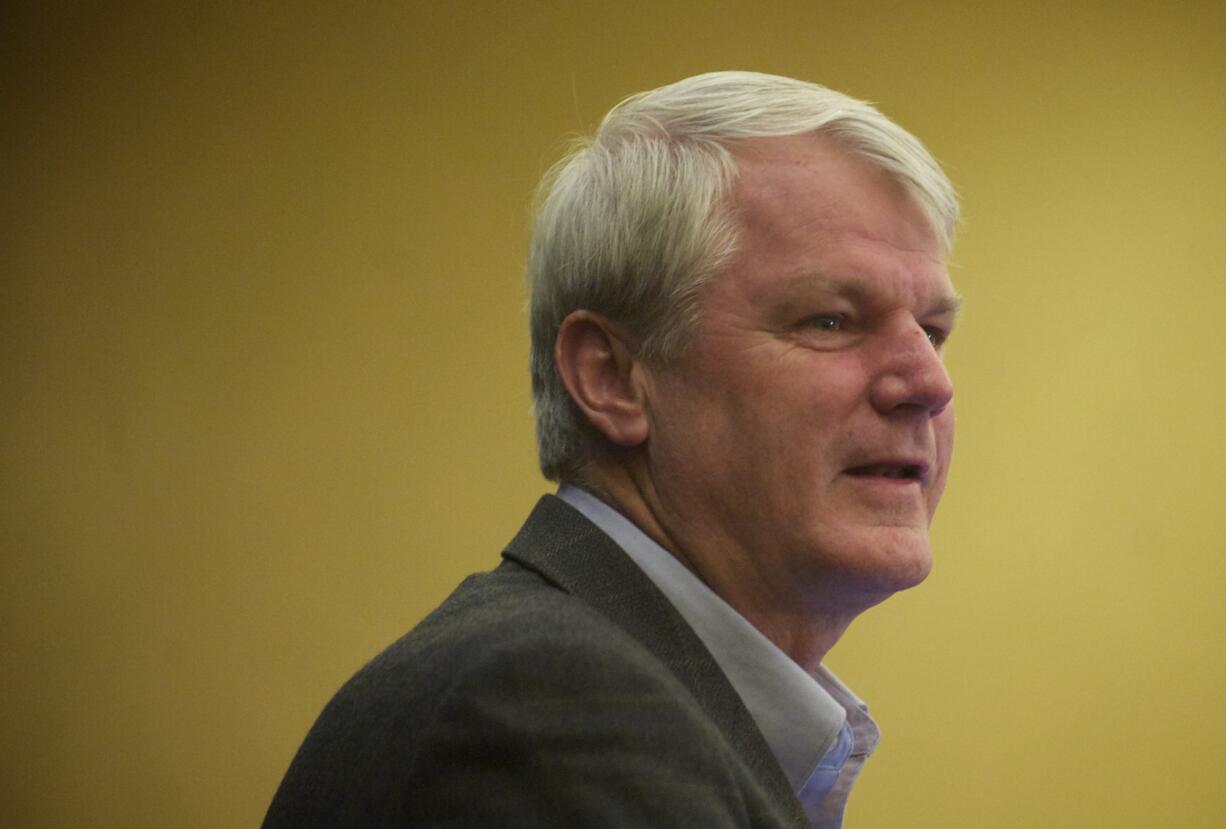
(800,715)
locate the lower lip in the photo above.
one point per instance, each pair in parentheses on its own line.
(885,481)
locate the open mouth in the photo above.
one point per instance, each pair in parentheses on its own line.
(894,471)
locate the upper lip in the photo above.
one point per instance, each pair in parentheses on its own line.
(894,465)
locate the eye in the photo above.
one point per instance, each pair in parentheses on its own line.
(826,322)
(936,336)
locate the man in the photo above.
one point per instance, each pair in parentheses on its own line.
(739,298)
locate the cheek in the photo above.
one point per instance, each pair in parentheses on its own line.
(943,429)
(698,426)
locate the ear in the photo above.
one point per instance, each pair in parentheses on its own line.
(597,365)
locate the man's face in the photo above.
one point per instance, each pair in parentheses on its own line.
(799,447)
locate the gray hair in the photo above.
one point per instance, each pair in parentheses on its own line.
(632,222)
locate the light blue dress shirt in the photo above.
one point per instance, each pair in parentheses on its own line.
(818,730)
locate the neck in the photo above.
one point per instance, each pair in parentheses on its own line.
(805,627)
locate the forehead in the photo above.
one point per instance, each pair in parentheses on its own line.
(807,207)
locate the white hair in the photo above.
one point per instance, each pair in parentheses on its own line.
(633,221)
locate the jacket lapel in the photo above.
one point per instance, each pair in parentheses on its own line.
(573,554)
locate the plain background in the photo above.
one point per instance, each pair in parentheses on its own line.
(265,397)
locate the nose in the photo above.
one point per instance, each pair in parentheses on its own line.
(912,376)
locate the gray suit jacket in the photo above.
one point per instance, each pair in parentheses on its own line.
(560,689)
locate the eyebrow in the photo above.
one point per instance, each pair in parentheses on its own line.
(945,304)
(949,304)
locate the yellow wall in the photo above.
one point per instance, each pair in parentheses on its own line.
(265,400)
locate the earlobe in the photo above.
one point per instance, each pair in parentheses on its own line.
(597,363)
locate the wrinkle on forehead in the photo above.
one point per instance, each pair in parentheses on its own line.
(765,194)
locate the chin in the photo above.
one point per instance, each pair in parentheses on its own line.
(916,574)
(887,565)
